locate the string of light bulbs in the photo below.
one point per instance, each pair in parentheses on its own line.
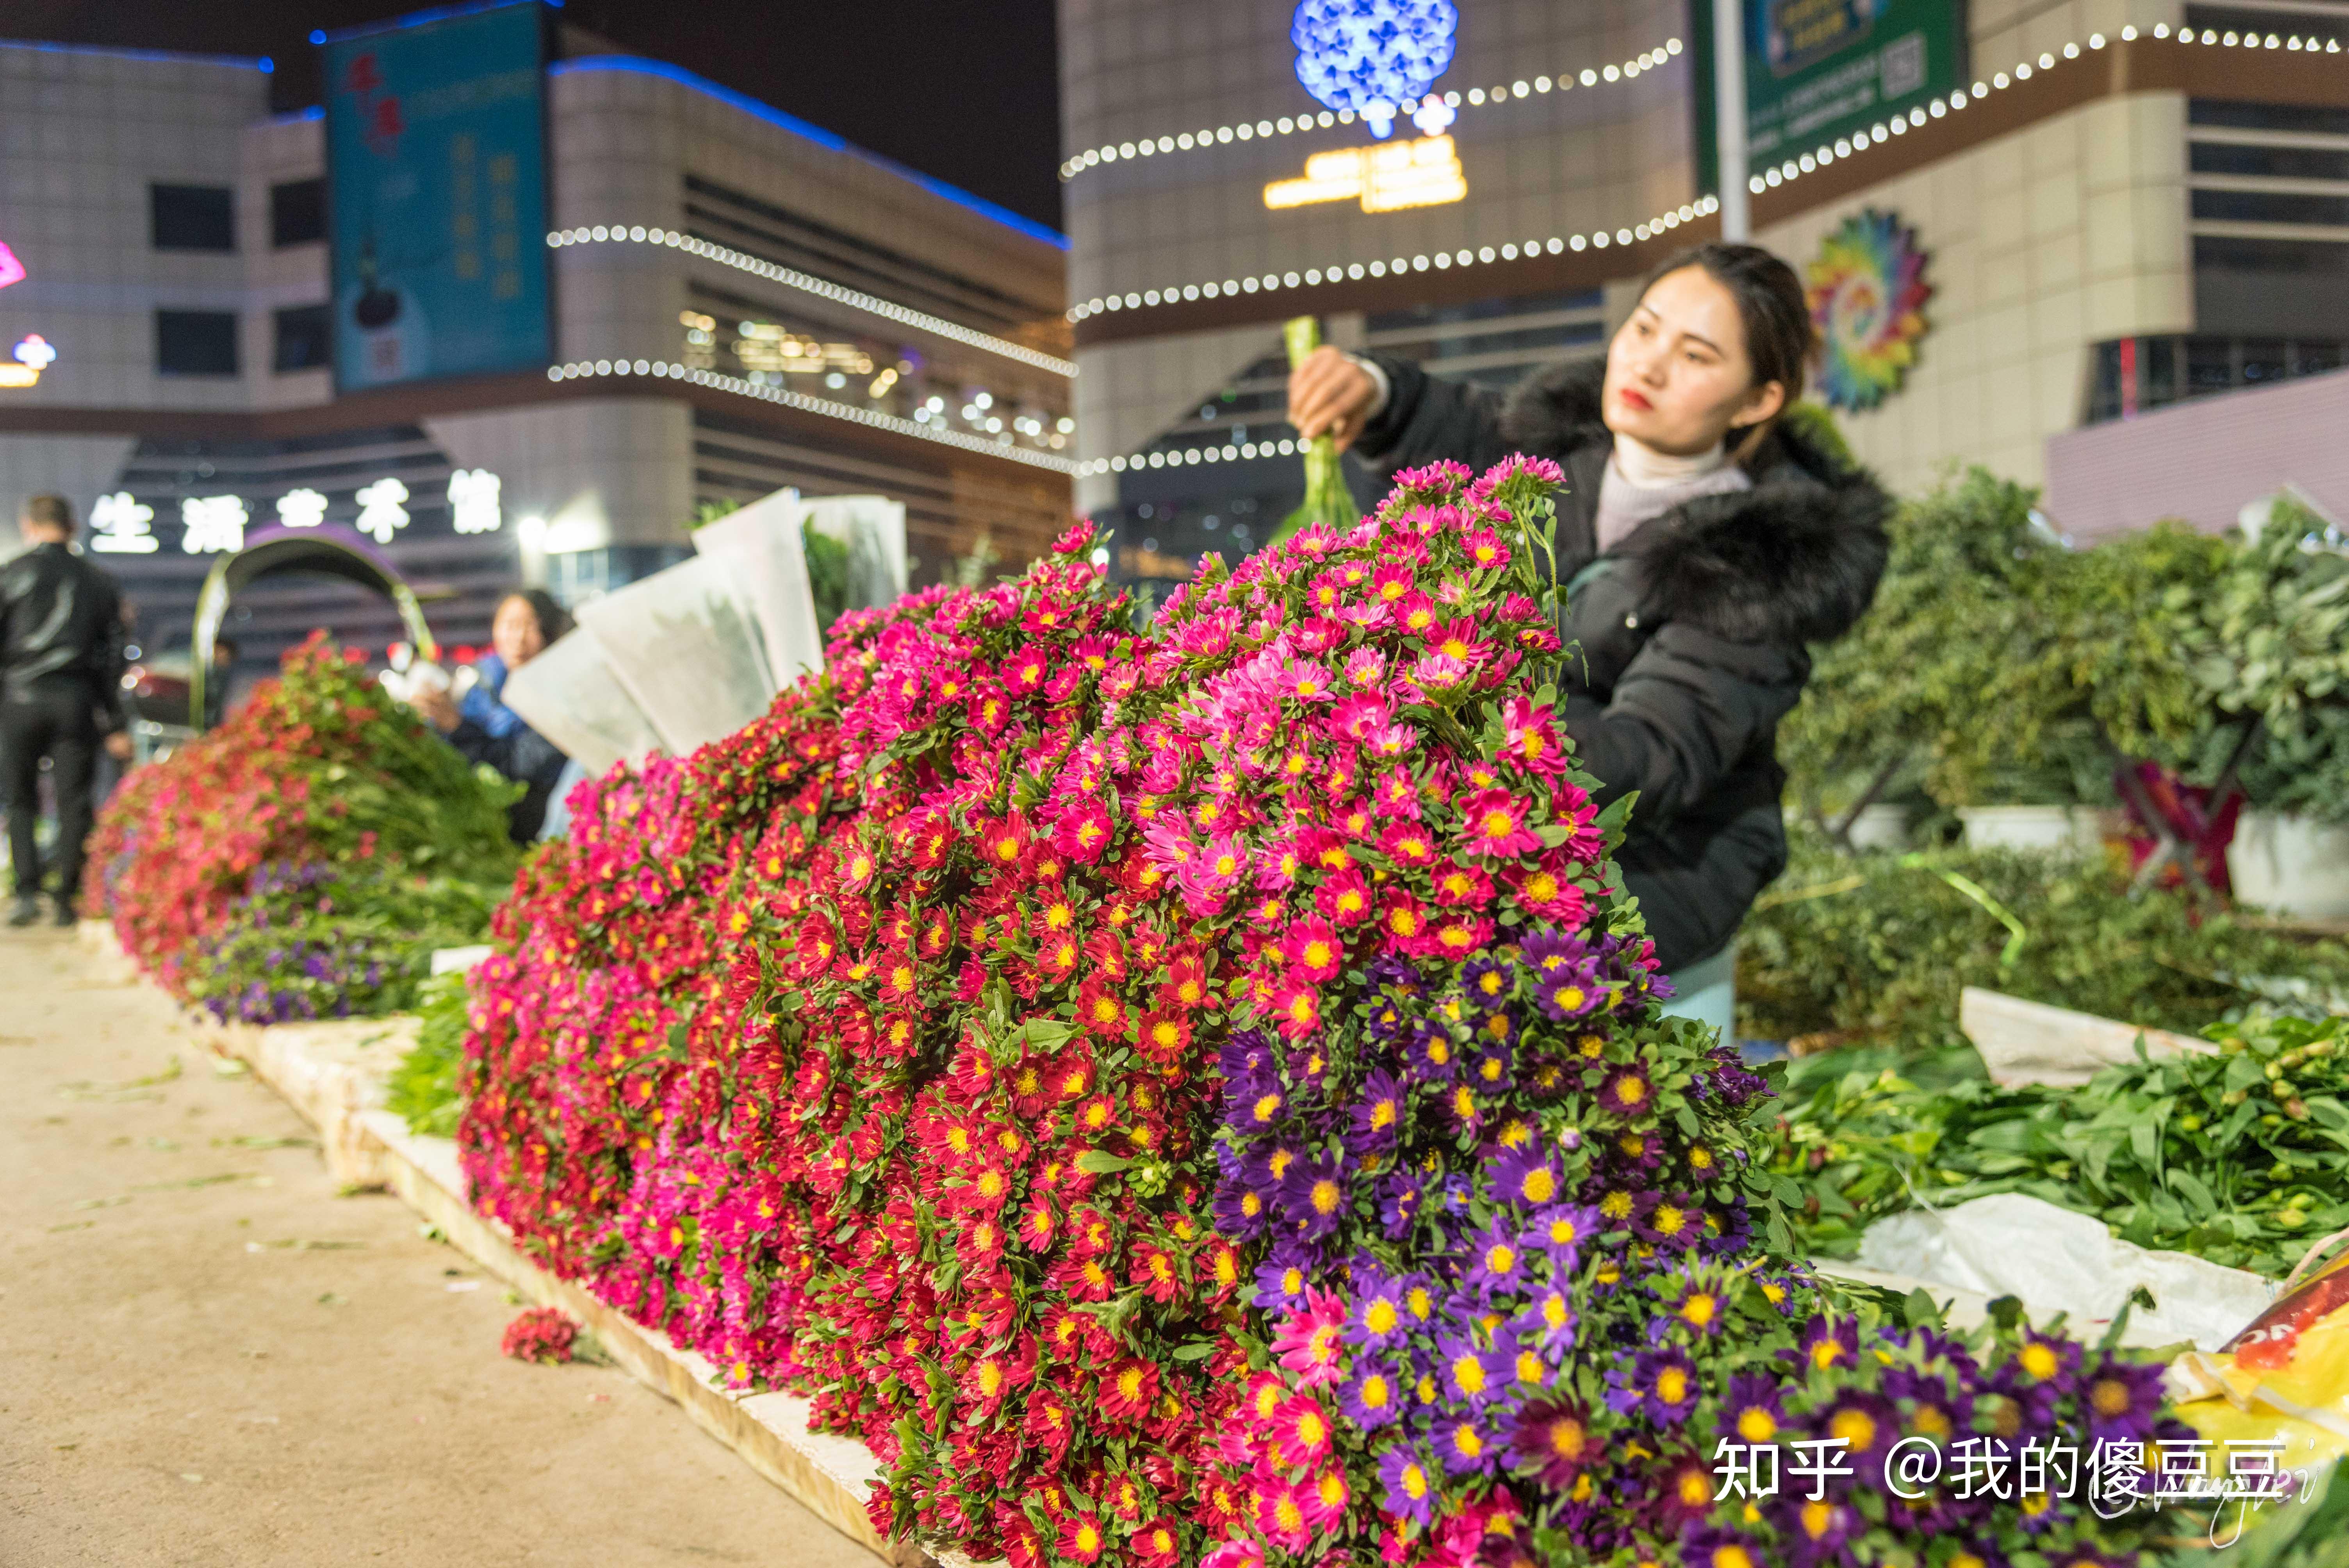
(1829,154)
(1766,179)
(873,418)
(637,234)
(1290,124)
(1437,261)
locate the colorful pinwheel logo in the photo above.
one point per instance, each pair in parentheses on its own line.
(1867,294)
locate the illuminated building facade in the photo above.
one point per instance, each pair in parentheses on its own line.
(2113,219)
(739,302)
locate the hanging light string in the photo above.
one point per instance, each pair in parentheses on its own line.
(1438,261)
(1792,169)
(872,418)
(1829,154)
(824,288)
(1291,125)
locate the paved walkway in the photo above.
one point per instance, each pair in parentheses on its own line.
(208,1356)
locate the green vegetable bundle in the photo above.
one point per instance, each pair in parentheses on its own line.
(2240,1156)
(1877,947)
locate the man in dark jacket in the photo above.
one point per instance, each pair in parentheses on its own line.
(1688,637)
(61,665)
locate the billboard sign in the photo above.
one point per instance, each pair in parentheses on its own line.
(1819,70)
(436,174)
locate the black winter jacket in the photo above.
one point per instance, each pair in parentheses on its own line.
(61,631)
(1686,643)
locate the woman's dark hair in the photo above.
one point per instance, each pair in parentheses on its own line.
(553,620)
(1771,308)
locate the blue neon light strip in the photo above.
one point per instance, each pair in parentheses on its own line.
(830,140)
(165,56)
(424,18)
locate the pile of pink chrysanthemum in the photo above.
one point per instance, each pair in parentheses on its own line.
(1200,1093)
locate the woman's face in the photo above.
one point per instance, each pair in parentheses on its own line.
(514,633)
(1677,375)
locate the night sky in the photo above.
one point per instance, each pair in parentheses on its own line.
(966,90)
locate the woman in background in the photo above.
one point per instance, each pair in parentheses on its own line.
(1704,543)
(484,729)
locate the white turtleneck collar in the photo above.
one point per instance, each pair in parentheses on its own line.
(1648,468)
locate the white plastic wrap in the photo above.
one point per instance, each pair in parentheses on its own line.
(570,694)
(761,546)
(873,529)
(685,644)
(2057,1261)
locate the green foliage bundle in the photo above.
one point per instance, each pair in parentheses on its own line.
(1999,665)
(1879,946)
(422,1089)
(2235,1156)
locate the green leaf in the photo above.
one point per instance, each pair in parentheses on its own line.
(1100,1162)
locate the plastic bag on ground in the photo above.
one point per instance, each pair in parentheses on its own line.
(2057,1261)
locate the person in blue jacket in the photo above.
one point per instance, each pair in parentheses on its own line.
(484,729)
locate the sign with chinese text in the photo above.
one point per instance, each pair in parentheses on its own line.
(437,181)
(1819,70)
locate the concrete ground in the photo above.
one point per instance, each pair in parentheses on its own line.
(208,1357)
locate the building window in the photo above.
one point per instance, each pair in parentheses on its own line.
(297,213)
(191,217)
(195,343)
(2133,375)
(304,337)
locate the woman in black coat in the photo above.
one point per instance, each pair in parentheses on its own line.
(1703,544)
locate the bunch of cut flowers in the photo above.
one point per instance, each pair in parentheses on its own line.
(299,861)
(1201,1095)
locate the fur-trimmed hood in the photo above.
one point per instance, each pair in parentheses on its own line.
(1793,559)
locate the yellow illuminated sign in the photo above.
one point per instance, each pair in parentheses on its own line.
(1385,178)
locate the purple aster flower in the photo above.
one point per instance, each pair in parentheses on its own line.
(1317,1194)
(1562,1230)
(1401,1197)
(1241,1211)
(1248,1055)
(1867,1428)
(1498,1265)
(1667,1220)
(1814,1532)
(1467,1377)
(1668,1384)
(1487,1068)
(1826,1343)
(1711,1546)
(1467,1442)
(2122,1399)
(1377,1117)
(1488,981)
(1374,1396)
(1379,1316)
(1548,1320)
(1430,1053)
(1281,1284)
(1627,1092)
(1407,1488)
(1701,1305)
(1388,971)
(1570,991)
(1752,1414)
(1387,1019)
(1526,1177)
(1256,1103)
